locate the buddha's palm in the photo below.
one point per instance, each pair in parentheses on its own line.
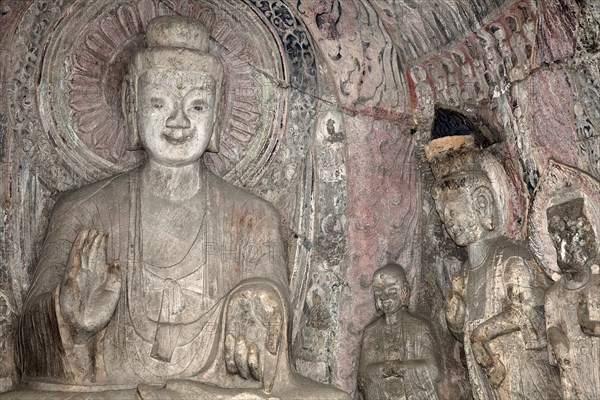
(253,330)
(90,289)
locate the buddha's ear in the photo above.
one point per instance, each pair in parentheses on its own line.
(129,107)
(214,145)
(483,203)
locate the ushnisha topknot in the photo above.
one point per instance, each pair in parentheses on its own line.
(170,31)
(179,44)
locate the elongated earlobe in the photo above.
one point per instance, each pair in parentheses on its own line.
(215,140)
(129,108)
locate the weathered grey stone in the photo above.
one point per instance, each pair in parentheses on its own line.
(563,233)
(400,355)
(333,101)
(496,303)
(134,287)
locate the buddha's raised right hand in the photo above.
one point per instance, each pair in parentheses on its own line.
(90,289)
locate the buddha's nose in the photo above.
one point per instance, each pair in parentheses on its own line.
(177,119)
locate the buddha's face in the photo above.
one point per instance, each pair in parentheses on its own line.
(388,292)
(176,112)
(457,212)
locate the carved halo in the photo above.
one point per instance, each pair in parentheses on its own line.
(83,70)
(560,183)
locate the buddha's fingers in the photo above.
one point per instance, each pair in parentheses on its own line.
(86,249)
(241,357)
(230,354)
(254,362)
(74,262)
(103,302)
(97,253)
(274,331)
(70,291)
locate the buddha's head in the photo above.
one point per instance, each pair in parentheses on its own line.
(390,288)
(463,194)
(172,94)
(572,235)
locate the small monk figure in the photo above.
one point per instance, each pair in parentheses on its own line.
(399,357)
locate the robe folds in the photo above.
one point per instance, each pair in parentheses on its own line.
(168,323)
(522,351)
(410,339)
(580,378)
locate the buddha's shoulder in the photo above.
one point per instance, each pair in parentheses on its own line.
(104,191)
(231,195)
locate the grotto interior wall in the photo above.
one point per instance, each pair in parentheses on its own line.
(343,96)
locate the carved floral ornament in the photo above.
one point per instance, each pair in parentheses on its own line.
(560,184)
(85,51)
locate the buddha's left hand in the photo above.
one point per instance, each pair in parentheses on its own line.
(254,326)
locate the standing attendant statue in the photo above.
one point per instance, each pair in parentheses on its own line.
(496,305)
(399,357)
(131,292)
(573,302)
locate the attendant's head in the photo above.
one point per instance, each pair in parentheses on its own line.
(390,288)
(572,235)
(172,94)
(463,193)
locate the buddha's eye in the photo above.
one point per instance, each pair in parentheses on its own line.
(156,103)
(198,107)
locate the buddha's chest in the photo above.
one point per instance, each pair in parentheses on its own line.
(170,231)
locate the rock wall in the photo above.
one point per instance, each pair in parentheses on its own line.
(342,98)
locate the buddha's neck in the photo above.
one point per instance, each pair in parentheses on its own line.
(172,183)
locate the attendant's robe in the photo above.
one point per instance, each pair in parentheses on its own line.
(581,379)
(529,374)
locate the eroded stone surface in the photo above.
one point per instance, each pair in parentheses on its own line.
(346,93)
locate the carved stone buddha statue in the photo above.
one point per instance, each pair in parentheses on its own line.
(165,274)
(496,305)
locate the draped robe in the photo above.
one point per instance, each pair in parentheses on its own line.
(411,338)
(579,379)
(169,321)
(523,351)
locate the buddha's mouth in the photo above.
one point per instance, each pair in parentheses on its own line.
(176,140)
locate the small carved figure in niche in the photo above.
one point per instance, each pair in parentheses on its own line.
(147,278)
(496,303)
(399,357)
(572,303)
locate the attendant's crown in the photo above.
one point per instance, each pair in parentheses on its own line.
(454,156)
